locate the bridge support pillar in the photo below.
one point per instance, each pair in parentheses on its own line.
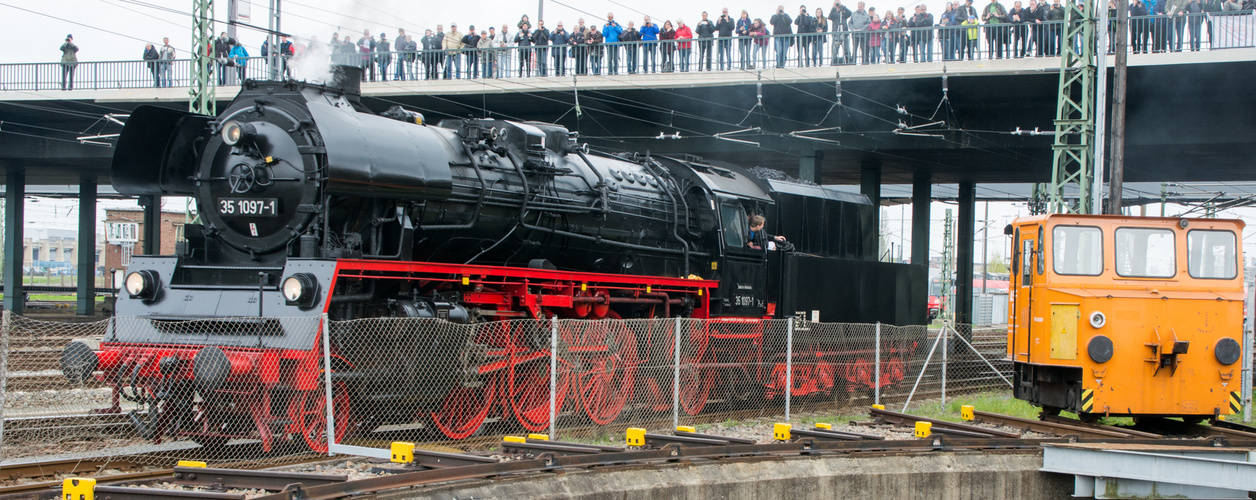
(87,246)
(14,219)
(921,197)
(152,224)
(965,233)
(809,166)
(870,185)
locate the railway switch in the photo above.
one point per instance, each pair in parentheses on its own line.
(78,489)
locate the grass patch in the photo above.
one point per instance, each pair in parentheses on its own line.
(994,402)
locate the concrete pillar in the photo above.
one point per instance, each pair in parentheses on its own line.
(87,246)
(870,185)
(152,224)
(921,198)
(14,219)
(809,166)
(965,234)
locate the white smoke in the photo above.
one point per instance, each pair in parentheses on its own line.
(313,63)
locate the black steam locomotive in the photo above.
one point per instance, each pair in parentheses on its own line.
(312,205)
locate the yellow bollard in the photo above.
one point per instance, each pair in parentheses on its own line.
(824,425)
(780,431)
(514,439)
(966,412)
(879,407)
(636,436)
(685,428)
(402,452)
(78,489)
(541,437)
(923,429)
(192,463)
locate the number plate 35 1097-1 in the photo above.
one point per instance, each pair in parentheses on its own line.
(249,207)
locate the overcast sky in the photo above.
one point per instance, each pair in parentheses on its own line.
(107,30)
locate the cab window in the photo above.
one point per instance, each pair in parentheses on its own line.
(1145,253)
(1211,254)
(735,230)
(1077,250)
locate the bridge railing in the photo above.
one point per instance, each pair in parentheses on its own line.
(1148,34)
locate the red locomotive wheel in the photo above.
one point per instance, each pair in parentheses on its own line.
(605,380)
(695,382)
(528,389)
(309,411)
(464,409)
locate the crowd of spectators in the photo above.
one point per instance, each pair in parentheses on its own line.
(843,35)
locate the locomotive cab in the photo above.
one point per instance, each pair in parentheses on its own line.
(1113,315)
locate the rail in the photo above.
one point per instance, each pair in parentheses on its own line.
(1148,34)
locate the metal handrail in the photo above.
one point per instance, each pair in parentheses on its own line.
(1151,34)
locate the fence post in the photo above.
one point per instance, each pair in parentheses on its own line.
(789,364)
(945,340)
(676,376)
(553,373)
(876,369)
(331,415)
(5,326)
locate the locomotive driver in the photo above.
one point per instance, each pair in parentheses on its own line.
(758,236)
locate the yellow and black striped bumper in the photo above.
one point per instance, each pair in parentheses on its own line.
(1236,401)
(1088,400)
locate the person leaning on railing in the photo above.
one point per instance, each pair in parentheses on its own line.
(839,19)
(239,57)
(488,52)
(453,47)
(650,43)
(523,40)
(744,41)
(762,37)
(806,27)
(150,58)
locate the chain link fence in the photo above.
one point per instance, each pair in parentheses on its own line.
(149,390)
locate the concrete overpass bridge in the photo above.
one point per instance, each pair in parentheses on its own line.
(957,122)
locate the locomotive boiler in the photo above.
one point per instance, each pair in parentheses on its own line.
(311,207)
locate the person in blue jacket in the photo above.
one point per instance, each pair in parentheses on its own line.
(650,41)
(610,37)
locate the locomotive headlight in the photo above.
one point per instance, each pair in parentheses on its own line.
(233,132)
(300,290)
(142,284)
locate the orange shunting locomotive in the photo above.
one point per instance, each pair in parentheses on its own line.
(1115,315)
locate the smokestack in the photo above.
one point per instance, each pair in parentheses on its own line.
(348,79)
